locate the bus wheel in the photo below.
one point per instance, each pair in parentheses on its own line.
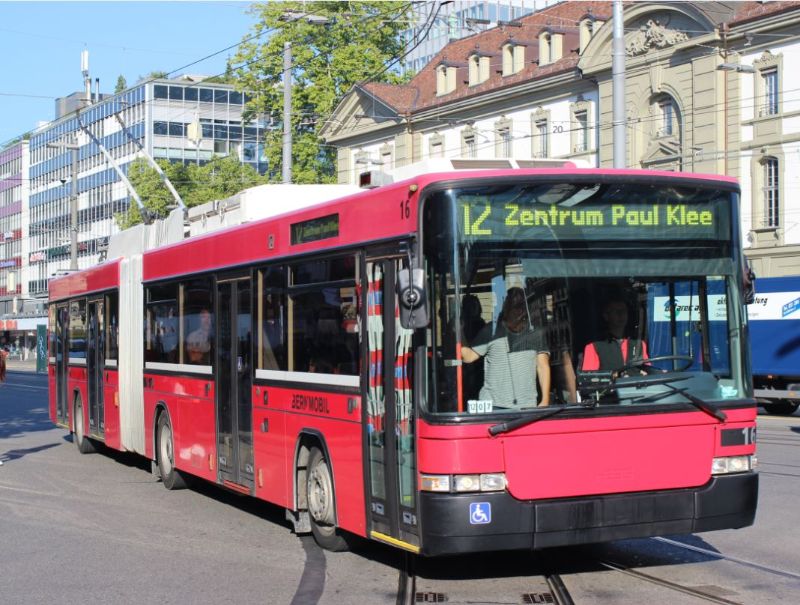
(782,407)
(79,437)
(170,476)
(321,505)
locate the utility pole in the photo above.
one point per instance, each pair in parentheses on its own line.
(290,16)
(73,203)
(618,133)
(287,112)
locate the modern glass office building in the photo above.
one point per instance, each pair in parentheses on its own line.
(183,120)
(455,20)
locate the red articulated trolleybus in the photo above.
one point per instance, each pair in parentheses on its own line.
(426,363)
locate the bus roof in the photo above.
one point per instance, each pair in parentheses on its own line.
(94,279)
(368,215)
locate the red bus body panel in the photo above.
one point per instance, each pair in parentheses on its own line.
(111,408)
(595,456)
(190,404)
(337,418)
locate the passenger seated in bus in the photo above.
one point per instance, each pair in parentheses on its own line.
(513,357)
(616,349)
(198,343)
(472,323)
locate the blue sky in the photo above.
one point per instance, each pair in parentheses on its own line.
(41,44)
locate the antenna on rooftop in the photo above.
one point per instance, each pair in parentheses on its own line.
(87,81)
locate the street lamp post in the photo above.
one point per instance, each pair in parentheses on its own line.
(286,171)
(73,203)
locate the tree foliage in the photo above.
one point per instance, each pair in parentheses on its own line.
(359,39)
(122,84)
(220,178)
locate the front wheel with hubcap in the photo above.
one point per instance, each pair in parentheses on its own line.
(170,476)
(85,446)
(321,504)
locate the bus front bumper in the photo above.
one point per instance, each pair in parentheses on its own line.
(463,523)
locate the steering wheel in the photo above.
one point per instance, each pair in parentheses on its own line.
(644,364)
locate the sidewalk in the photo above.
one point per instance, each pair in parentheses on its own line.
(15,365)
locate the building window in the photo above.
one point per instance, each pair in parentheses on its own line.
(541,144)
(581,131)
(544,49)
(666,118)
(771,193)
(503,139)
(513,59)
(436,148)
(470,149)
(445,79)
(769,82)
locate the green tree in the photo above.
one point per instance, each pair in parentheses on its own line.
(220,178)
(359,39)
(122,84)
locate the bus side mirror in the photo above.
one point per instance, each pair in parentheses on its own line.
(748,285)
(411,293)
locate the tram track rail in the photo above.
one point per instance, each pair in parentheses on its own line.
(718,555)
(408,593)
(668,584)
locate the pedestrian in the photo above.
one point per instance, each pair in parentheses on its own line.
(3,355)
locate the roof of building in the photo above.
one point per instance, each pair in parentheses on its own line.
(420,93)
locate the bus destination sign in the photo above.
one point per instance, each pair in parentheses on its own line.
(480,219)
(315,229)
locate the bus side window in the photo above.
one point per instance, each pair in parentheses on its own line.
(272,319)
(324,316)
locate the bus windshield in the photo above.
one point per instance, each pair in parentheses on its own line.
(557,294)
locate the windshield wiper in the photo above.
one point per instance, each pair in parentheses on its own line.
(511,425)
(700,404)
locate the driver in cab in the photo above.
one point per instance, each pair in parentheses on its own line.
(616,350)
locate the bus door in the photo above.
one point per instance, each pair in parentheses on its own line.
(62,363)
(389,413)
(234,381)
(95,358)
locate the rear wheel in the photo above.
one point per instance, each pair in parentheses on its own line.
(84,444)
(782,407)
(321,503)
(165,450)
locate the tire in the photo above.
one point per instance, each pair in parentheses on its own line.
(322,504)
(165,455)
(782,407)
(79,438)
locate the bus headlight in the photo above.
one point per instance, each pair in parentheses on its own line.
(487,482)
(434,483)
(732,464)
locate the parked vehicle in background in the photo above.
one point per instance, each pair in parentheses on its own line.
(775,343)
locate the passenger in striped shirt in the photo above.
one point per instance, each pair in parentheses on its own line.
(514,356)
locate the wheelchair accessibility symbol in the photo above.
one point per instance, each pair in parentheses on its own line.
(480,513)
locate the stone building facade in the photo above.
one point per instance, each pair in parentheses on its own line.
(707,91)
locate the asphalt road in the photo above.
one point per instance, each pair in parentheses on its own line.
(100,529)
